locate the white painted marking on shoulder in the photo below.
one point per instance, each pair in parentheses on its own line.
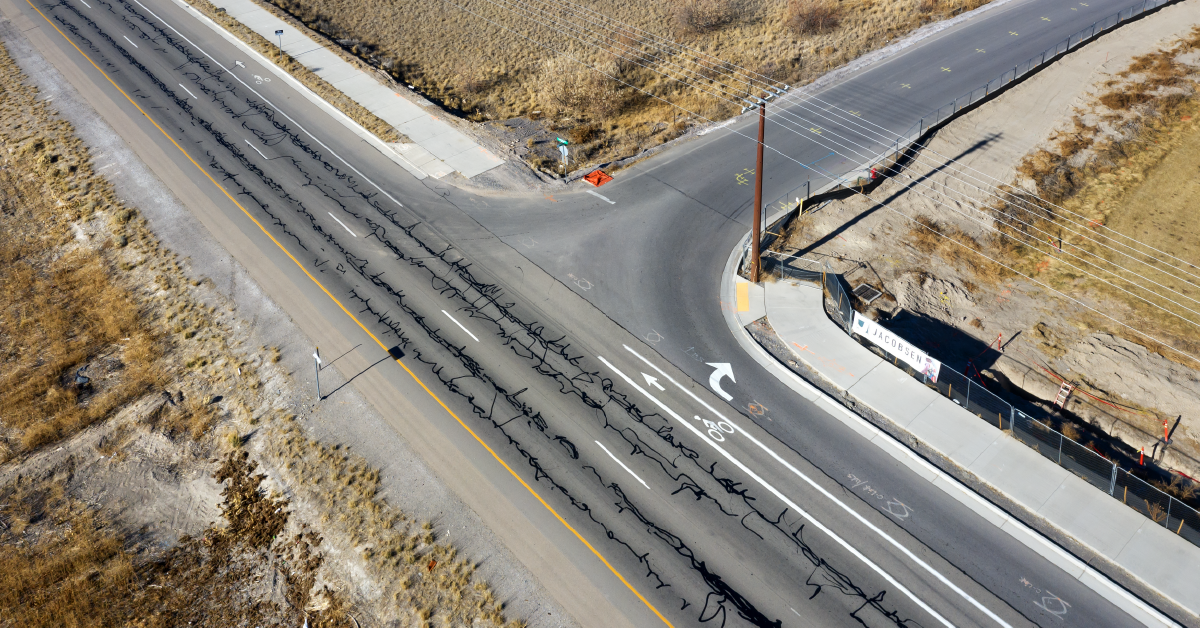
(298,86)
(265,157)
(342,224)
(184,88)
(130,41)
(460,325)
(618,461)
(774,491)
(601,197)
(893,542)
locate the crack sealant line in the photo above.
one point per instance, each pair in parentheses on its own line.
(783,498)
(496,456)
(1018,530)
(871,526)
(312,96)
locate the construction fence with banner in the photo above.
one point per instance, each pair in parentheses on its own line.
(974,396)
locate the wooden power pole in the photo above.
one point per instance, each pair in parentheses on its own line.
(756,237)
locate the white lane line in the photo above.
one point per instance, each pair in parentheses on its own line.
(89,6)
(188,91)
(461,327)
(298,86)
(783,498)
(601,197)
(618,461)
(265,157)
(926,566)
(342,224)
(130,41)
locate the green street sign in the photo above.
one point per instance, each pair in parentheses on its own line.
(562,141)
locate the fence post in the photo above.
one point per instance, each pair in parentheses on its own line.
(967,401)
(1112,484)
(1167,519)
(1060,440)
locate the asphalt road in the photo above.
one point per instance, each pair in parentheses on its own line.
(539,323)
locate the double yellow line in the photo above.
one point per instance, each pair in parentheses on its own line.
(356,321)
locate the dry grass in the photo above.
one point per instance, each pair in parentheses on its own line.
(956,247)
(61,564)
(1136,178)
(427,578)
(60,311)
(474,68)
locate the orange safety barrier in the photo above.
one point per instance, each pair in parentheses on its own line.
(597,178)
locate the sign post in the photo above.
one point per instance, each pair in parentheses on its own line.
(317,369)
(279,34)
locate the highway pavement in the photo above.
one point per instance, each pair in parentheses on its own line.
(564,344)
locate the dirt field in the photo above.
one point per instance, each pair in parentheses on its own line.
(472,66)
(1114,146)
(137,482)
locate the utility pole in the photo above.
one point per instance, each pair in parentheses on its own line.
(756,238)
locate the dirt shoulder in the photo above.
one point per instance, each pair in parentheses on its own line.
(1104,137)
(158,462)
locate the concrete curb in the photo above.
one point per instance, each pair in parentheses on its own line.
(949,483)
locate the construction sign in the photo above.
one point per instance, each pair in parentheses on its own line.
(597,178)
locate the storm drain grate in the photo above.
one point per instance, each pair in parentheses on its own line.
(867,293)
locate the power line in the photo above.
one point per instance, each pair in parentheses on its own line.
(806,166)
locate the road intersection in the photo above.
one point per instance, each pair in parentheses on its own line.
(565,347)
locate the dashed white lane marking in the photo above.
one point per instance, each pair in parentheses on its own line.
(601,197)
(460,325)
(184,88)
(780,496)
(343,226)
(90,6)
(130,41)
(618,461)
(893,542)
(265,157)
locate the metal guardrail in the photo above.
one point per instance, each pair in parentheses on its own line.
(905,141)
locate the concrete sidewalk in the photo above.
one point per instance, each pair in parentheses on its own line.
(437,148)
(1050,496)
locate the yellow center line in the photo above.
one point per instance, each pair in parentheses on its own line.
(357,322)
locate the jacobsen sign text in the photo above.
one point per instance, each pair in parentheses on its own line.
(896,346)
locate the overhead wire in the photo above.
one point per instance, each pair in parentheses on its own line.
(806,166)
(560,26)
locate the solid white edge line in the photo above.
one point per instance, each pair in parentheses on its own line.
(343,225)
(803,513)
(297,85)
(913,557)
(618,461)
(460,325)
(131,41)
(601,197)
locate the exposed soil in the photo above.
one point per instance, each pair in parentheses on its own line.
(1109,133)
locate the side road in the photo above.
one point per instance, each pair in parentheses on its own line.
(1040,504)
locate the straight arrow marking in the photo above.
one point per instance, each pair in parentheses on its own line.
(653,381)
